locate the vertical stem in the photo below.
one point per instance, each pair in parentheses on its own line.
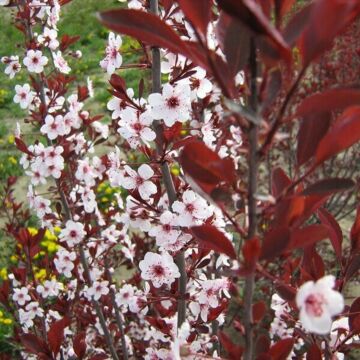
(166,175)
(252,189)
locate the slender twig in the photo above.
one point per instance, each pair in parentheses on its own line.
(167,179)
(252,189)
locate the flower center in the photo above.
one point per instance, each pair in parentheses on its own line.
(173,102)
(190,208)
(167,227)
(158,270)
(137,127)
(314,304)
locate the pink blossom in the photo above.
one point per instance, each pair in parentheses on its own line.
(73,233)
(49,38)
(48,288)
(60,63)
(98,289)
(159,269)
(172,105)
(191,209)
(64,262)
(24,96)
(12,65)
(140,180)
(35,61)
(318,303)
(53,127)
(135,126)
(113,59)
(21,296)
(166,232)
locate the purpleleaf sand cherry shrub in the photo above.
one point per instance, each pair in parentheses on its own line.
(197,254)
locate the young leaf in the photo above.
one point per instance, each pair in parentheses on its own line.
(212,238)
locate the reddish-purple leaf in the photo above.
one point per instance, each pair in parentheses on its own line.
(355,232)
(234,351)
(314,353)
(251,251)
(151,30)
(56,334)
(344,133)
(353,266)
(283,6)
(312,129)
(300,238)
(258,311)
(288,210)
(281,349)
(212,171)
(198,13)
(251,15)
(330,186)
(79,345)
(280,181)
(263,344)
(234,39)
(354,317)
(22,146)
(146,27)
(335,233)
(212,238)
(33,344)
(318,35)
(286,292)
(297,24)
(275,243)
(329,100)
